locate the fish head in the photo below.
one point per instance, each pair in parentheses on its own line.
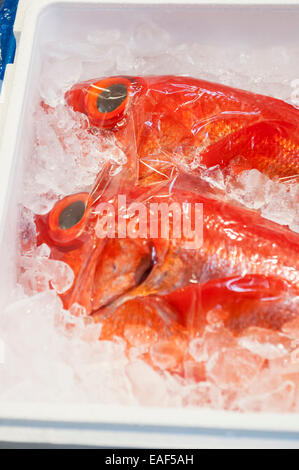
(111,105)
(104,268)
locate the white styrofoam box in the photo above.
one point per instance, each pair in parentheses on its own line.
(37,22)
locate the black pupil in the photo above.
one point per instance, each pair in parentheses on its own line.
(71,215)
(111,98)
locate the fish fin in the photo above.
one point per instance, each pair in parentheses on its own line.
(228,295)
(229,291)
(257,139)
(149,326)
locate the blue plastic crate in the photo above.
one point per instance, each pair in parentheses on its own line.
(8,10)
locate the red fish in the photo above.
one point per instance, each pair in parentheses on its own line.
(164,121)
(235,242)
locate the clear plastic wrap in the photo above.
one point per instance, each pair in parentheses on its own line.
(136,268)
(178,254)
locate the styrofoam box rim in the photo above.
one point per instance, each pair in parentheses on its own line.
(148,427)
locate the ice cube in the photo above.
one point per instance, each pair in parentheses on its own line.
(107,37)
(265,343)
(148,39)
(163,64)
(252,188)
(273,384)
(194,371)
(97,68)
(233,368)
(27,230)
(203,394)
(217,339)
(148,386)
(256,191)
(196,349)
(43,251)
(283,212)
(167,355)
(216,317)
(214,176)
(275,397)
(57,77)
(31,320)
(39,272)
(77,310)
(38,205)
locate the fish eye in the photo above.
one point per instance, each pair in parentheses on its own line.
(66,221)
(112,97)
(106,101)
(71,215)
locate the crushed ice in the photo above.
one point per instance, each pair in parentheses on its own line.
(66,158)
(52,354)
(256,191)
